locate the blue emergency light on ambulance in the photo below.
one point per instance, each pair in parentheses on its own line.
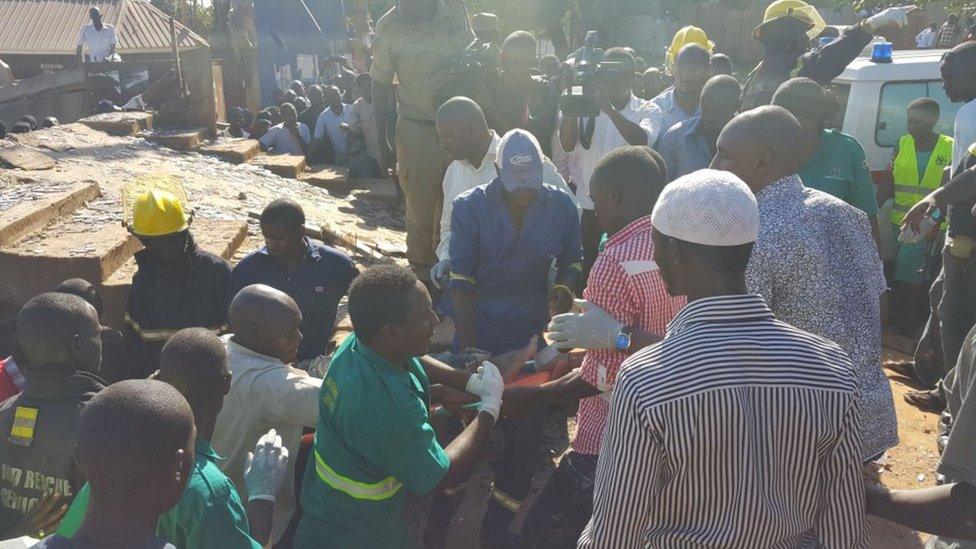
(881,52)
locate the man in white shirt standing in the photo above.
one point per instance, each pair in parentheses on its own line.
(289,137)
(265,392)
(926,39)
(98,37)
(625,119)
(463,132)
(333,124)
(692,68)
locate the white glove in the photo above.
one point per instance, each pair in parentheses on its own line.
(488,384)
(594,328)
(897,16)
(440,273)
(264,469)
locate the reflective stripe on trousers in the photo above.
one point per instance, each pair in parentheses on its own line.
(376,491)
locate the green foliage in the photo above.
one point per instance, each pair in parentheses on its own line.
(199,18)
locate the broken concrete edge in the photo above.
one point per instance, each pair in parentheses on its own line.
(284,165)
(23,219)
(237,152)
(183,139)
(120,123)
(20,157)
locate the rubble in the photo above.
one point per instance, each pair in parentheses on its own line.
(120,123)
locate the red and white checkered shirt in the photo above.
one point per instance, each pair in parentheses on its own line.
(626,283)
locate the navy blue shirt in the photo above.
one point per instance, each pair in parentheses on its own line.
(317,285)
(508,269)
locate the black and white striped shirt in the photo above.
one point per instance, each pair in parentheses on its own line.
(737,430)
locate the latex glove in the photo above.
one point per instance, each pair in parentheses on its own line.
(265,467)
(488,384)
(593,328)
(440,273)
(897,16)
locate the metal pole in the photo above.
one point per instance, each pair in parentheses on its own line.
(176,57)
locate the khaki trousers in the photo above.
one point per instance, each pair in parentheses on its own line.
(421,163)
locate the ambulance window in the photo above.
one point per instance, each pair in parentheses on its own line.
(893,109)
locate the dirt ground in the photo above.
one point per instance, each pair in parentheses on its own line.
(915,458)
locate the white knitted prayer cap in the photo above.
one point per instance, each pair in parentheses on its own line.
(708,207)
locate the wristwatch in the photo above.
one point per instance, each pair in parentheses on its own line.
(622,341)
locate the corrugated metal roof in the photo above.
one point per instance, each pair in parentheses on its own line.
(51,27)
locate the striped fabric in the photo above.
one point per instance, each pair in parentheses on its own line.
(737,430)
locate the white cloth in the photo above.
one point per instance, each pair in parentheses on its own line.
(264,394)
(364,120)
(6,75)
(606,138)
(670,112)
(461,176)
(709,207)
(329,122)
(283,141)
(98,42)
(963,133)
(925,39)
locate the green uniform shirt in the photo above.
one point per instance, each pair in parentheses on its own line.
(419,55)
(840,168)
(372,444)
(209,513)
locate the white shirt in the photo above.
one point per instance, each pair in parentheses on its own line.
(963,133)
(461,177)
(6,75)
(283,141)
(329,122)
(99,42)
(364,119)
(606,138)
(264,394)
(926,38)
(671,112)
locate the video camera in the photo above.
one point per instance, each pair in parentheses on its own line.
(470,72)
(591,70)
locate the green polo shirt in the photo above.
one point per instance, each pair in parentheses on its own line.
(209,513)
(840,168)
(373,443)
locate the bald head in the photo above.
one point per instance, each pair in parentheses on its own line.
(462,129)
(83,289)
(266,321)
(142,422)
(956,69)
(59,331)
(719,103)
(721,64)
(194,360)
(760,146)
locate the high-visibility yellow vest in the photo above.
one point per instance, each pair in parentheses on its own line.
(908,189)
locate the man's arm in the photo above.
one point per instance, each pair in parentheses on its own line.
(948,510)
(440,373)
(464,302)
(383,104)
(464,451)
(630,464)
(632,132)
(960,188)
(569,133)
(464,250)
(886,189)
(841,521)
(829,61)
(259,518)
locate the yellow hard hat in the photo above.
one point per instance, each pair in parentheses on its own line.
(158,213)
(685,36)
(797,9)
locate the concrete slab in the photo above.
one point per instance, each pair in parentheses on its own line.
(41,261)
(285,165)
(21,158)
(333,178)
(178,139)
(120,123)
(23,219)
(222,238)
(381,190)
(237,151)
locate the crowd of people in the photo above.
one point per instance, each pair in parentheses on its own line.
(695,266)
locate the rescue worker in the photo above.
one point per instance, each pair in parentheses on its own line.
(111,338)
(176,285)
(786,31)
(374,442)
(504,236)
(58,335)
(917,165)
(416,43)
(684,36)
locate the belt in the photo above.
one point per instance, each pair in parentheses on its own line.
(422,121)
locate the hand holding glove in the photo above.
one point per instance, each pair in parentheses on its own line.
(264,469)
(593,328)
(488,384)
(440,273)
(897,16)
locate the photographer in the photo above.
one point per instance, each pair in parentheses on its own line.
(516,98)
(624,119)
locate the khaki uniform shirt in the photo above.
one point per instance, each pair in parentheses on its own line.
(419,55)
